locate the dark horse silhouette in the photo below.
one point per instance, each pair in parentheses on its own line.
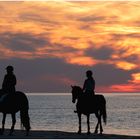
(88,104)
(12,103)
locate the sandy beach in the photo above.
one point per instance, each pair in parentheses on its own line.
(36,134)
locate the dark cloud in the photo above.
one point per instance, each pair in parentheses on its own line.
(35,18)
(102,53)
(92,18)
(107,75)
(29,43)
(118,36)
(61,48)
(97,20)
(22,41)
(30,71)
(30,74)
(72,38)
(132,59)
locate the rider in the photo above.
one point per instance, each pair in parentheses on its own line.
(89,84)
(9,82)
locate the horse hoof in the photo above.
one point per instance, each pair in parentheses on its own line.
(10,134)
(88,133)
(101,133)
(27,134)
(1,132)
(79,132)
(95,132)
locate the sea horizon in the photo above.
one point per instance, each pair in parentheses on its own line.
(55,112)
(69,93)
(49,46)
(122,108)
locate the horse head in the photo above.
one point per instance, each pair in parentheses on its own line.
(76,90)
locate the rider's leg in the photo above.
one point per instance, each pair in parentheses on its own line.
(13,122)
(3,122)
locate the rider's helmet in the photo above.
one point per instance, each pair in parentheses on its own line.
(89,73)
(9,68)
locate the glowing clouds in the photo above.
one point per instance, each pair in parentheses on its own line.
(85,61)
(126,65)
(135,78)
(78,33)
(76,25)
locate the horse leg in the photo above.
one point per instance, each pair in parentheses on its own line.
(3,123)
(101,128)
(79,116)
(96,128)
(13,123)
(88,124)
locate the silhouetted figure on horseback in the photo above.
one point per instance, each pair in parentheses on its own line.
(88,103)
(89,84)
(9,82)
(88,87)
(12,101)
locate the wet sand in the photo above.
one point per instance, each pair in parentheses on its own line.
(36,134)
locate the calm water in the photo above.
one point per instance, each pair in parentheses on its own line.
(55,112)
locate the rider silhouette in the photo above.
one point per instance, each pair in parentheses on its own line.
(89,84)
(9,82)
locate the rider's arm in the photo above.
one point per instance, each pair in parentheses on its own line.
(84,86)
(4,82)
(93,84)
(14,80)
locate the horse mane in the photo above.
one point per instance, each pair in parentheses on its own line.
(78,87)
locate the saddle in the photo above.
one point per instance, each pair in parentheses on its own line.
(3,97)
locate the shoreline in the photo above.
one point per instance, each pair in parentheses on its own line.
(44,134)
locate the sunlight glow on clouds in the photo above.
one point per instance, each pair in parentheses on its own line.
(126,65)
(82,61)
(136,78)
(75,32)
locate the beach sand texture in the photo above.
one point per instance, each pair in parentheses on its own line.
(36,134)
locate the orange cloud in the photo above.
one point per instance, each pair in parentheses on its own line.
(75,25)
(67,30)
(135,78)
(124,88)
(82,61)
(131,86)
(126,65)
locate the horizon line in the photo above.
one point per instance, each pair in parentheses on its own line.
(67,93)
(71,0)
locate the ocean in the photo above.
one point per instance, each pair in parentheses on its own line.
(54,112)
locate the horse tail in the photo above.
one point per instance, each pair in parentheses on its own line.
(103,110)
(24,115)
(21,125)
(25,120)
(104,114)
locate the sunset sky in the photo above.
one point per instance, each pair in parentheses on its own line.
(52,44)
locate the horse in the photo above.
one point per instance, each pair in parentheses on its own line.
(12,103)
(88,104)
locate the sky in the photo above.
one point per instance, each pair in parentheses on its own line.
(52,44)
